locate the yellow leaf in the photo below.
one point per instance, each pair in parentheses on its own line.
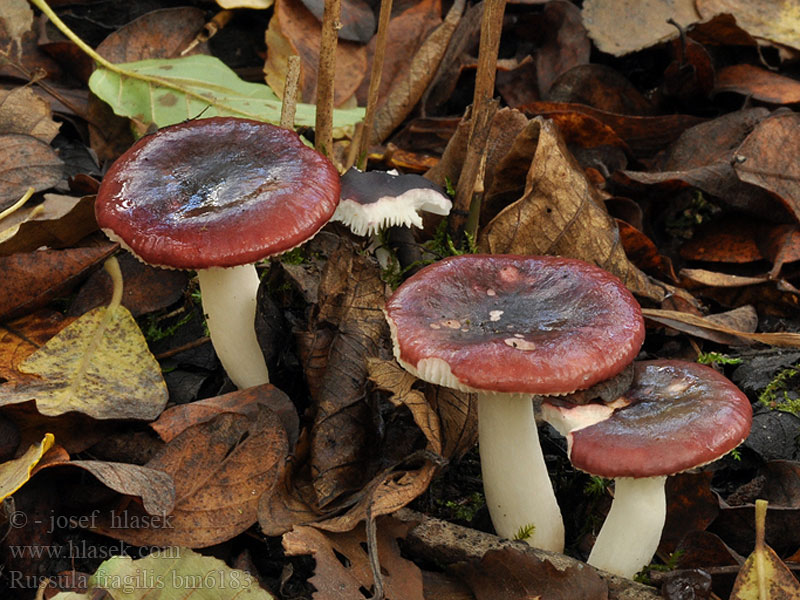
(14,473)
(99,365)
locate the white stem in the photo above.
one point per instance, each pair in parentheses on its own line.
(515,480)
(229,301)
(631,532)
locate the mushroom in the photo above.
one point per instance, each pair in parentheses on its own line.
(507,327)
(373,200)
(676,416)
(216,195)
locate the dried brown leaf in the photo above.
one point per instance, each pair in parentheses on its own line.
(559,214)
(758,83)
(221,469)
(774,21)
(338,579)
(23,112)
(26,161)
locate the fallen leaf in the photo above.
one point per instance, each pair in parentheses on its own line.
(691,506)
(255,4)
(154,487)
(58,222)
(777,22)
(782,483)
(22,337)
(407,89)
(220,469)
(558,214)
(510,574)
(720,280)
(26,162)
(169,574)
(195,85)
(17,19)
(764,575)
(342,565)
(705,328)
(351,298)
(620,28)
(757,83)
(294,30)
(177,419)
(599,87)
(15,473)
(727,239)
(33,279)
(765,158)
(405,34)
(566,43)
(23,112)
(99,365)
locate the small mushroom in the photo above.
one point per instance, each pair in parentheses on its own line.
(374,200)
(216,195)
(676,416)
(507,327)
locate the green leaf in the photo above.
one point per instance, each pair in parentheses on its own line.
(168,91)
(170,574)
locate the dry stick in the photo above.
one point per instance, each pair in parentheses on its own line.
(209,30)
(323,126)
(467,201)
(289,105)
(374,83)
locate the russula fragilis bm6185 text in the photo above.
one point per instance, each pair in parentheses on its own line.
(507,327)
(216,195)
(675,416)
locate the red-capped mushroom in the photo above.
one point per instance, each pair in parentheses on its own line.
(508,327)
(216,195)
(676,416)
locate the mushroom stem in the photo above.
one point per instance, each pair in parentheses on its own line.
(515,480)
(229,301)
(631,532)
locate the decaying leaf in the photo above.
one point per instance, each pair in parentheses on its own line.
(14,473)
(351,298)
(99,365)
(23,112)
(707,328)
(22,337)
(32,279)
(758,83)
(220,470)
(764,575)
(620,28)
(334,580)
(559,213)
(26,161)
(170,574)
(294,30)
(777,22)
(510,574)
(58,222)
(17,18)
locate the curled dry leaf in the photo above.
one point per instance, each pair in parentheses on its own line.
(23,112)
(559,214)
(154,487)
(351,298)
(334,580)
(758,83)
(14,473)
(706,328)
(26,161)
(220,469)
(767,158)
(58,222)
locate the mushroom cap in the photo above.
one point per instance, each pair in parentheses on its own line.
(679,415)
(216,192)
(514,324)
(373,200)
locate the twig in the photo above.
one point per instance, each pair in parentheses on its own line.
(468,198)
(374,559)
(323,127)
(209,30)
(289,104)
(374,83)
